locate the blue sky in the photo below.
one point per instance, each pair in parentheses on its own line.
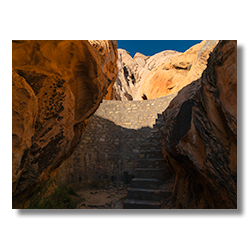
(151,47)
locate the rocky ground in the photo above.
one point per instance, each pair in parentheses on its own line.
(109,196)
(99,196)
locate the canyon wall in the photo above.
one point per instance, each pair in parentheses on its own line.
(56,87)
(200,135)
(111,143)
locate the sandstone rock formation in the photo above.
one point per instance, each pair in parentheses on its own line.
(164,73)
(133,71)
(170,77)
(200,141)
(57,86)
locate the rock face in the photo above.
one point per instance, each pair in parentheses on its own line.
(200,141)
(162,74)
(57,86)
(133,71)
(170,77)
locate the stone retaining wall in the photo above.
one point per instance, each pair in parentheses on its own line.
(112,140)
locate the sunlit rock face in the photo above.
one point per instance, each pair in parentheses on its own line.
(170,77)
(56,87)
(162,74)
(133,71)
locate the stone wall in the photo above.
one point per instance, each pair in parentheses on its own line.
(112,140)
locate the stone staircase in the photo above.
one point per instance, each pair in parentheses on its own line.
(145,190)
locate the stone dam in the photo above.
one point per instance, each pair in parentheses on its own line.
(112,141)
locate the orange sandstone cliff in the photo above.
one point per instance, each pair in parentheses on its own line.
(56,87)
(162,74)
(171,77)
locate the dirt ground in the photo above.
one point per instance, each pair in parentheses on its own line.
(100,196)
(108,195)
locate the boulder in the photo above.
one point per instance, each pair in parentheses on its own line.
(57,86)
(200,135)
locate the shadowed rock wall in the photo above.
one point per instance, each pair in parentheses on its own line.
(200,142)
(112,140)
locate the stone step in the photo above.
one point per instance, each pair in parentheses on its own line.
(157,173)
(138,204)
(149,154)
(152,163)
(147,194)
(145,183)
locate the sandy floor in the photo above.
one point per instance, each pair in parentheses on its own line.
(108,196)
(102,197)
